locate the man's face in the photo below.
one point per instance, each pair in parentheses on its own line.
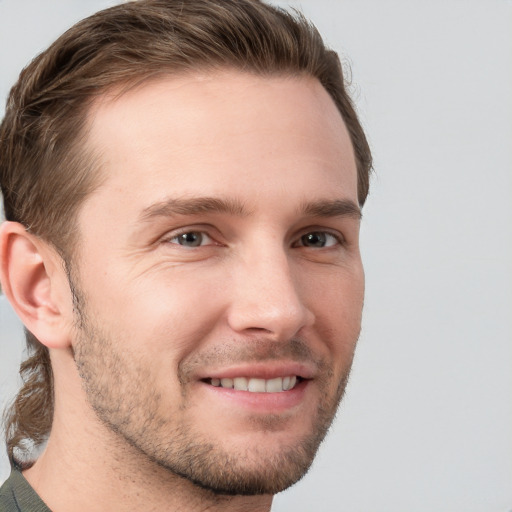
(221,250)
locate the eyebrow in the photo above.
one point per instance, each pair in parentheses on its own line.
(193,206)
(332,208)
(202,205)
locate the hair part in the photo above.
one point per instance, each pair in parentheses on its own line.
(46,170)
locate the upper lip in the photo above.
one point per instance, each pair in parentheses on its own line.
(261,370)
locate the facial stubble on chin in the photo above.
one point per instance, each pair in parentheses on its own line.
(123,396)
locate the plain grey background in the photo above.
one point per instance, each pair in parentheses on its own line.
(426,425)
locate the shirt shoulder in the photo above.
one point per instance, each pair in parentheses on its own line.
(16,495)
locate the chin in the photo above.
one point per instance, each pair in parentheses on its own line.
(252,472)
(261,464)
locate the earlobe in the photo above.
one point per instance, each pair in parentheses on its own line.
(31,276)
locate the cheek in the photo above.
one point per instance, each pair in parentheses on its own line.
(336,293)
(338,309)
(169,313)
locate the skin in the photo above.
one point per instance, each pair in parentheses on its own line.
(222,242)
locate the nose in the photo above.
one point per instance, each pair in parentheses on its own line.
(267,297)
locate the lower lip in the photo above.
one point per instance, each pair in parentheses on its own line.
(266,403)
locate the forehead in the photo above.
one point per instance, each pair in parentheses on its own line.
(222,132)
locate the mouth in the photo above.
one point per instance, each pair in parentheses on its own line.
(260,388)
(256,385)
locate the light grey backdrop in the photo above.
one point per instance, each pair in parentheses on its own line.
(427,422)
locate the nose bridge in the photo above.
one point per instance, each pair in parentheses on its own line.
(268,294)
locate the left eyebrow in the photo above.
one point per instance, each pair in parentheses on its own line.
(332,208)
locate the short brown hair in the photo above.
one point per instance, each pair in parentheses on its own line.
(45,173)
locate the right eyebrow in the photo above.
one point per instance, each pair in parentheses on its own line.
(333,208)
(194,206)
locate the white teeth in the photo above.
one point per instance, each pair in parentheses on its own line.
(240,383)
(254,385)
(274,385)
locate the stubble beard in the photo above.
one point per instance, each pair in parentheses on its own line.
(123,396)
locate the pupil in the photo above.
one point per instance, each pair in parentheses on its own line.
(314,239)
(190,239)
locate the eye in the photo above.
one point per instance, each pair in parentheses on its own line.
(318,240)
(191,239)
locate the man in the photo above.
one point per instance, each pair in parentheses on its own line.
(182,185)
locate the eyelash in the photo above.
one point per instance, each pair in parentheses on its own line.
(190,232)
(338,238)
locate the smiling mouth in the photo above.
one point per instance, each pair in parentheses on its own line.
(255,385)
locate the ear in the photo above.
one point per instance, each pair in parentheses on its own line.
(34,280)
